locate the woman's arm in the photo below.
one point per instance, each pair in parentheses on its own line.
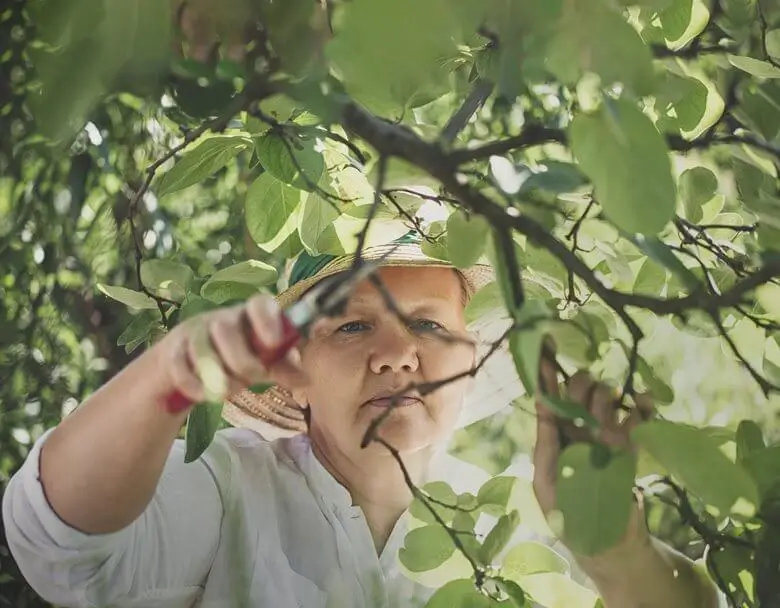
(88,509)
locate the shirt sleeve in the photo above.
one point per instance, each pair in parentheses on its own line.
(158,555)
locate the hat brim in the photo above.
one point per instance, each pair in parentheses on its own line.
(275,414)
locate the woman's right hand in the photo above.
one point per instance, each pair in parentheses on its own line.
(212,355)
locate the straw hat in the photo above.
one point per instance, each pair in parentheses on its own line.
(274,413)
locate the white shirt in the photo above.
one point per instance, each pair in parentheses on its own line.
(251,523)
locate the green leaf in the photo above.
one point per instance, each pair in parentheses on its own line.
(194,306)
(251,272)
(388,82)
(291,160)
(128,297)
(466,238)
(532,557)
(594,38)
(461,593)
(295,29)
(553,590)
(271,211)
(697,186)
(166,278)
(595,501)
(754,67)
(660,391)
(499,536)
(695,459)
(651,279)
(659,251)
(486,300)
(687,104)
(764,468)
(773,43)
(222,292)
(734,565)
(680,23)
(555,177)
(201,162)
(740,12)
(426,548)
(570,410)
(443,494)
(139,330)
(750,439)
(525,343)
(238,282)
(202,424)
(317,216)
(514,592)
(494,495)
(628,162)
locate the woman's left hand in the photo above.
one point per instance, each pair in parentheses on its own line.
(615,430)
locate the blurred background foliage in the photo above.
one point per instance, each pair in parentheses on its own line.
(65,221)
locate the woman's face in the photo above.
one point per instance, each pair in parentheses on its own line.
(357,360)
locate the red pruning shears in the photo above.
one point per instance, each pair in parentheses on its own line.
(327,298)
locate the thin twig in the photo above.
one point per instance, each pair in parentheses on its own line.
(479,572)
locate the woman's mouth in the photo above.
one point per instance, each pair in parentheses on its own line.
(397,401)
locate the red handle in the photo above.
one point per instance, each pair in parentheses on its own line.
(176,402)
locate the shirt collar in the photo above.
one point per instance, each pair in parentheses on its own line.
(322,482)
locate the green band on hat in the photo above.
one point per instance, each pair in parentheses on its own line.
(307,265)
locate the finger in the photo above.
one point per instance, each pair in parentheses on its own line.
(645,405)
(581,388)
(206,362)
(603,401)
(642,411)
(265,320)
(233,347)
(548,446)
(182,372)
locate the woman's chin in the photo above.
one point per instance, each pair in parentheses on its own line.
(409,433)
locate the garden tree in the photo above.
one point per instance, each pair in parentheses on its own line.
(614,160)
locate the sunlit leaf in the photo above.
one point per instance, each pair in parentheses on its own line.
(693,457)
(460,593)
(439,495)
(139,330)
(466,238)
(200,162)
(592,37)
(271,211)
(499,536)
(166,278)
(368,32)
(128,297)
(750,439)
(627,159)
(595,501)
(532,557)
(525,343)
(494,495)
(755,67)
(426,548)
(290,159)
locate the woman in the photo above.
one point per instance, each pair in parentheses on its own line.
(287,509)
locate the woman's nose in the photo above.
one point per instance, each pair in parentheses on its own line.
(394,350)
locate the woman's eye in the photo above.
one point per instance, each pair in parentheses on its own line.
(352,327)
(426,325)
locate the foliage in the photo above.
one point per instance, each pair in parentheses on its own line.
(616,161)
